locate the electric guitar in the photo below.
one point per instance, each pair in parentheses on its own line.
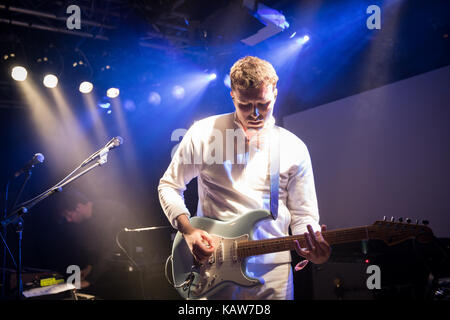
(233,245)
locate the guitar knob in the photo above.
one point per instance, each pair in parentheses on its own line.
(400,219)
(392,219)
(384,218)
(417,221)
(425,222)
(408,220)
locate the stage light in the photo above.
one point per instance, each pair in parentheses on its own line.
(105,105)
(212,76)
(19,73)
(178,92)
(154,98)
(113,92)
(109,111)
(303,39)
(129,105)
(227,81)
(293,35)
(50,81)
(86,87)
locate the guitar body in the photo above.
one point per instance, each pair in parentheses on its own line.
(224,266)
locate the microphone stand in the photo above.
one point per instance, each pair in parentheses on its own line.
(26,206)
(19,228)
(28,176)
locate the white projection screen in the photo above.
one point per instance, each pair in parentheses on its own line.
(383,152)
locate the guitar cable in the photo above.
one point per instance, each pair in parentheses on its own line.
(141,280)
(185,283)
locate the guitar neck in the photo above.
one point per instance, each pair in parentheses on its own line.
(257,247)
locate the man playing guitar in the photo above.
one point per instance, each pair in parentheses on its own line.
(229,154)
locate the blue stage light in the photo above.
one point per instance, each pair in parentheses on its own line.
(154,98)
(129,105)
(178,92)
(227,81)
(105,105)
(303,39)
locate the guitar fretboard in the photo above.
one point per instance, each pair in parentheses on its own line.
(257,247)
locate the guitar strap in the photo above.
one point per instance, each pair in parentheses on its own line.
(274,167)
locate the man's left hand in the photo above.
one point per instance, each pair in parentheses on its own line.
(317,249)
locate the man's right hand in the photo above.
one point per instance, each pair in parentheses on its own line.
(199,241)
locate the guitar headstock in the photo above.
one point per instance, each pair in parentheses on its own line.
(392,232)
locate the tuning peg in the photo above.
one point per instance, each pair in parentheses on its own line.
(408,220)
(392,219)
(400,219)
(384,218)
(425,222)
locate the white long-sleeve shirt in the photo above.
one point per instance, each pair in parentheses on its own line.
(233,178)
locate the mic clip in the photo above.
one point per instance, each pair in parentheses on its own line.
(103,156)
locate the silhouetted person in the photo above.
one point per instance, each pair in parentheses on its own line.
(87,229)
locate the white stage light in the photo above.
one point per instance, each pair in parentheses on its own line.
(19,73)
(113,92)
(50,81)
(86,87)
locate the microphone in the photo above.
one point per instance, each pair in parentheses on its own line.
(113,143)
(37,158)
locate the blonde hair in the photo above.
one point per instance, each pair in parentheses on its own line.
(252,72)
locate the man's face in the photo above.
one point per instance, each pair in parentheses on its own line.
(254,105)
(82,211)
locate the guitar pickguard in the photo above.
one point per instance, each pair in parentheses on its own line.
(223,266)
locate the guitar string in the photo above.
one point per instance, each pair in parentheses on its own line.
(330,235)
(258,247)
(245,248)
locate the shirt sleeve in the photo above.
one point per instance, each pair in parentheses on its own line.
(302,200)
(181,171)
